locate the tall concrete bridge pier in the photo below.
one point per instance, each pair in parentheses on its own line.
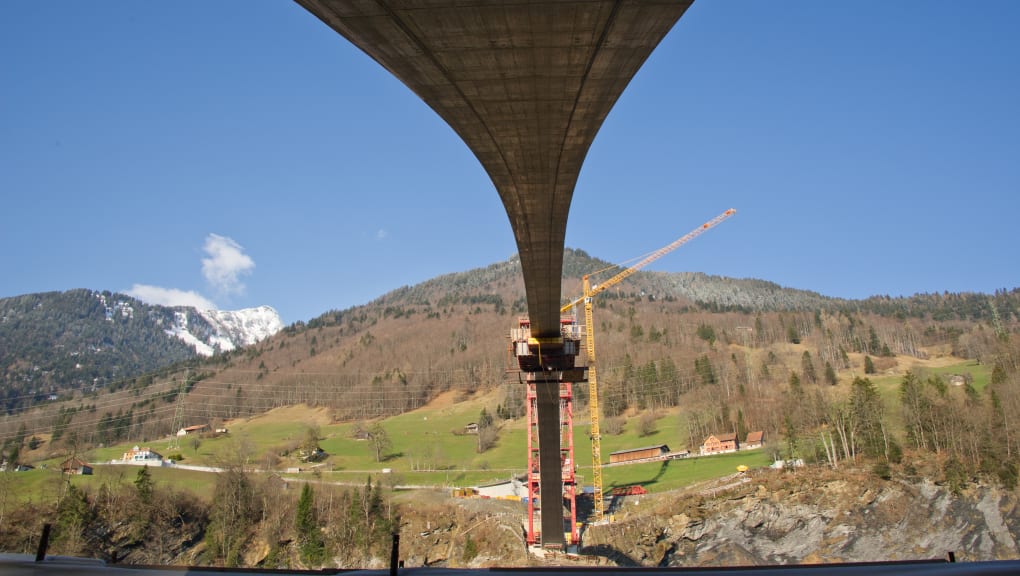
(526,85)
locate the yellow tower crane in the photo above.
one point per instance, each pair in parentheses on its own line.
(589,293)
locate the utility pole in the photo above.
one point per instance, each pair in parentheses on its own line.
(178,423)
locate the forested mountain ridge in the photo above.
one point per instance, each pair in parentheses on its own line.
(706,290)
(709,292)
(730,348)
(53,343)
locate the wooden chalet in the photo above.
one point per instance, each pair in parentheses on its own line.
(720,443)
(754,439)
(76,466)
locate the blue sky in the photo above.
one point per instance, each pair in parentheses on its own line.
(238,153)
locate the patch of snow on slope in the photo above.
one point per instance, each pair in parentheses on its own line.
(244,327)
(232,328)
(180,330)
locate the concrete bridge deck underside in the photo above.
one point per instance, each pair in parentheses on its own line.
(526,85)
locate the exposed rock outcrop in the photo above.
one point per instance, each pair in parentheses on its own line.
(776,519)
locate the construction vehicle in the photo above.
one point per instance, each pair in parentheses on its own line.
(589,293)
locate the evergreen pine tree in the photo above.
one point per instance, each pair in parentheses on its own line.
(484,419)
(143,484)
(795,387)
(874,345)
(830,374)
(73,516)
(310,543)
(808,368)
(869,366)
(703,367)
(792,336)
(741,425)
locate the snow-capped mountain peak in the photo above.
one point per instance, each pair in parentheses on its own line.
(225,330)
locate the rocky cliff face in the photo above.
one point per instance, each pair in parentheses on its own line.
(775,519)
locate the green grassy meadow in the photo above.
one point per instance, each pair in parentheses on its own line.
(982,373)
(889,386)
(45,484)
(428,448)
(673,474)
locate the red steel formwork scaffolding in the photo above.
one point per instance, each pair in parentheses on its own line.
(567,466)
(547,368)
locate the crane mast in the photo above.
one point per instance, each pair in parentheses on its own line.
(588,296)
(593,406)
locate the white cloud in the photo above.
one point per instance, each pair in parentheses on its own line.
(382,234)
(170,297)
(226,264)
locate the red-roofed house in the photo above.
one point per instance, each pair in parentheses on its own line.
(191,430)
(75,466)
(720,443)
(754,440)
